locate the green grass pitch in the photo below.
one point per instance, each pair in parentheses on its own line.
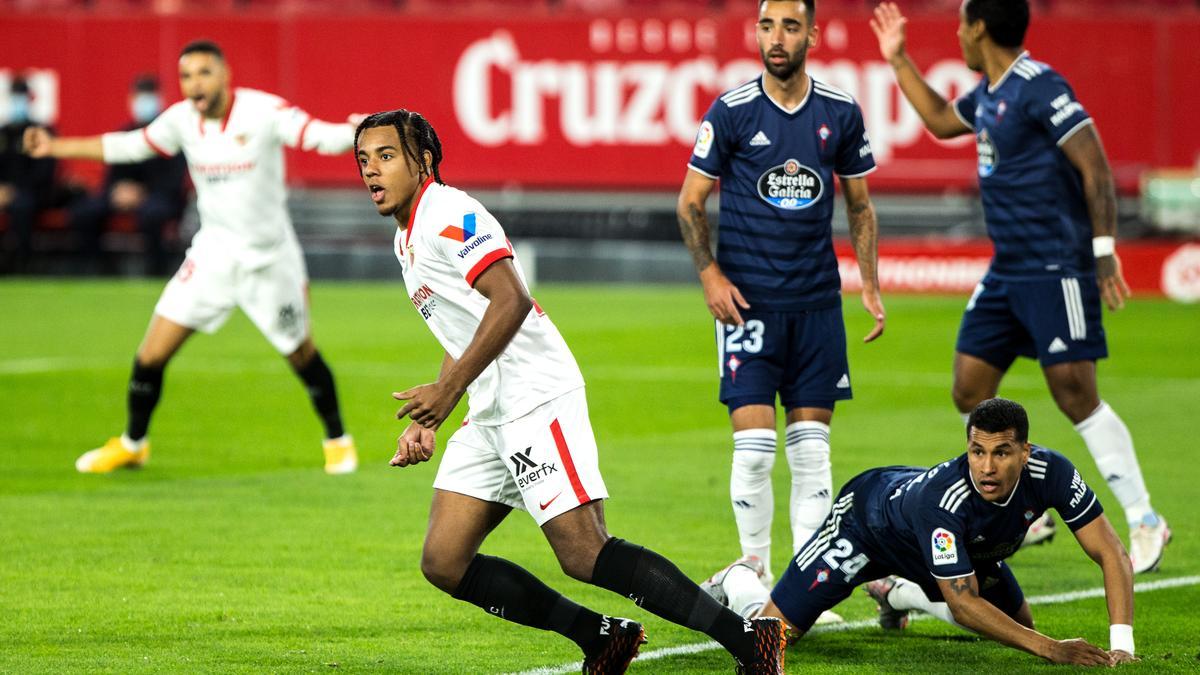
(232,552)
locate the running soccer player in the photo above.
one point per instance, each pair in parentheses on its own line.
(527,442)
(775,144)
(948,530)
(245,253)
(1050,209)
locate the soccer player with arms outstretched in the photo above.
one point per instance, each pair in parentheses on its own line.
(775,144)
(245,253)
(947,531)
(1050,209)
(527,442)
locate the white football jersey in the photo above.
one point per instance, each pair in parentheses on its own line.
(236,165)
(449,241)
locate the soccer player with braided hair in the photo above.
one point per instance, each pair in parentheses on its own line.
(527,442)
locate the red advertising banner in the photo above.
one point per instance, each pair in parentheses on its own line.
(939,266)
(577,102)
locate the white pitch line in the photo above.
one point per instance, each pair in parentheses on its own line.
(1053,599)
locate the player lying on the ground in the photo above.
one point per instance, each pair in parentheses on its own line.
(527,442)
(949,529)
(1051,213)
(245,254)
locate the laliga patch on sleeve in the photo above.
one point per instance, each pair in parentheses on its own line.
(704,140)
(944,552)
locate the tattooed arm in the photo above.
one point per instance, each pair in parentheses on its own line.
(864,234)
(974,613)
(722,297)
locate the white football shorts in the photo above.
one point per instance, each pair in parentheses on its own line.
(211,283)
(545,462)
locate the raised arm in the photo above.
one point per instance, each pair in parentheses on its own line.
(1085,152)
(39,143)
(976,614)
(721,296)
(1100,542)
(937,114)
(864,234)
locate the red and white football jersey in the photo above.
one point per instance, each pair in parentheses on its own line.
(449,241)
(236,165)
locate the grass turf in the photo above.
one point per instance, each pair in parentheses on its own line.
(233,552)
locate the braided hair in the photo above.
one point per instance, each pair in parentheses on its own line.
(416,136)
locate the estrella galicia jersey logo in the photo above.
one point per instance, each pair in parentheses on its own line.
(988,157)
(790,185)
(461,233)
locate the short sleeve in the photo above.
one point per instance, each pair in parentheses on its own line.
(854,157)
(474,244)
(714,140)
(1069,494)
(964,108)
(942,539)
(1050,104)
(163,134)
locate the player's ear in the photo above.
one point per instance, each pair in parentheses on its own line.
(427,160)
(814,36)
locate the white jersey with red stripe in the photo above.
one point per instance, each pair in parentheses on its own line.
(449,241)
(237,166)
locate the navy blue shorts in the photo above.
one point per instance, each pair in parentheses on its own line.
(1052,320)
(799,356)
(841,555)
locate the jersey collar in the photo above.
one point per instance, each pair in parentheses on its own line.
(993,87)
(412,214)
(228,113)
(799,106)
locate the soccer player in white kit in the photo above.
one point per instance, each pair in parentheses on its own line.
(245,254)
(527,442)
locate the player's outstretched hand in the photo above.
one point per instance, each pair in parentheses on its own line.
(414,446)
(429,404)
(1119,657)
(888,25)
(1078,652)
(1113,288)
(722,297)
(874,306)
(37,142)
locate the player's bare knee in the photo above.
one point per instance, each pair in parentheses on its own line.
(966,397)
(577,564)
(444,572)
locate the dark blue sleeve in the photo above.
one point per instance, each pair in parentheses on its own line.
(1050,104)
(713,141)
(854,157)
(964,107)
(941,536)
(1067,492)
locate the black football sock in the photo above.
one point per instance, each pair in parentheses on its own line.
(318,380)
(145,387)
(657,585)
(506,590)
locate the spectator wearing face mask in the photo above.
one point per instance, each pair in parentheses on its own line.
(27,185)
(151,191)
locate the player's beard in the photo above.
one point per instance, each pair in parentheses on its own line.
(794,64)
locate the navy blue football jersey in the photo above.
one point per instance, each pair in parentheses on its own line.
(776,167)
(1033,200)
(935,521)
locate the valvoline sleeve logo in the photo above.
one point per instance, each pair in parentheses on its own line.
(791,186)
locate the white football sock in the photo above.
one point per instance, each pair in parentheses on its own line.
(1111,445)
(750,490)
(807,448)
(745,592)
(907,595)
(132,445)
